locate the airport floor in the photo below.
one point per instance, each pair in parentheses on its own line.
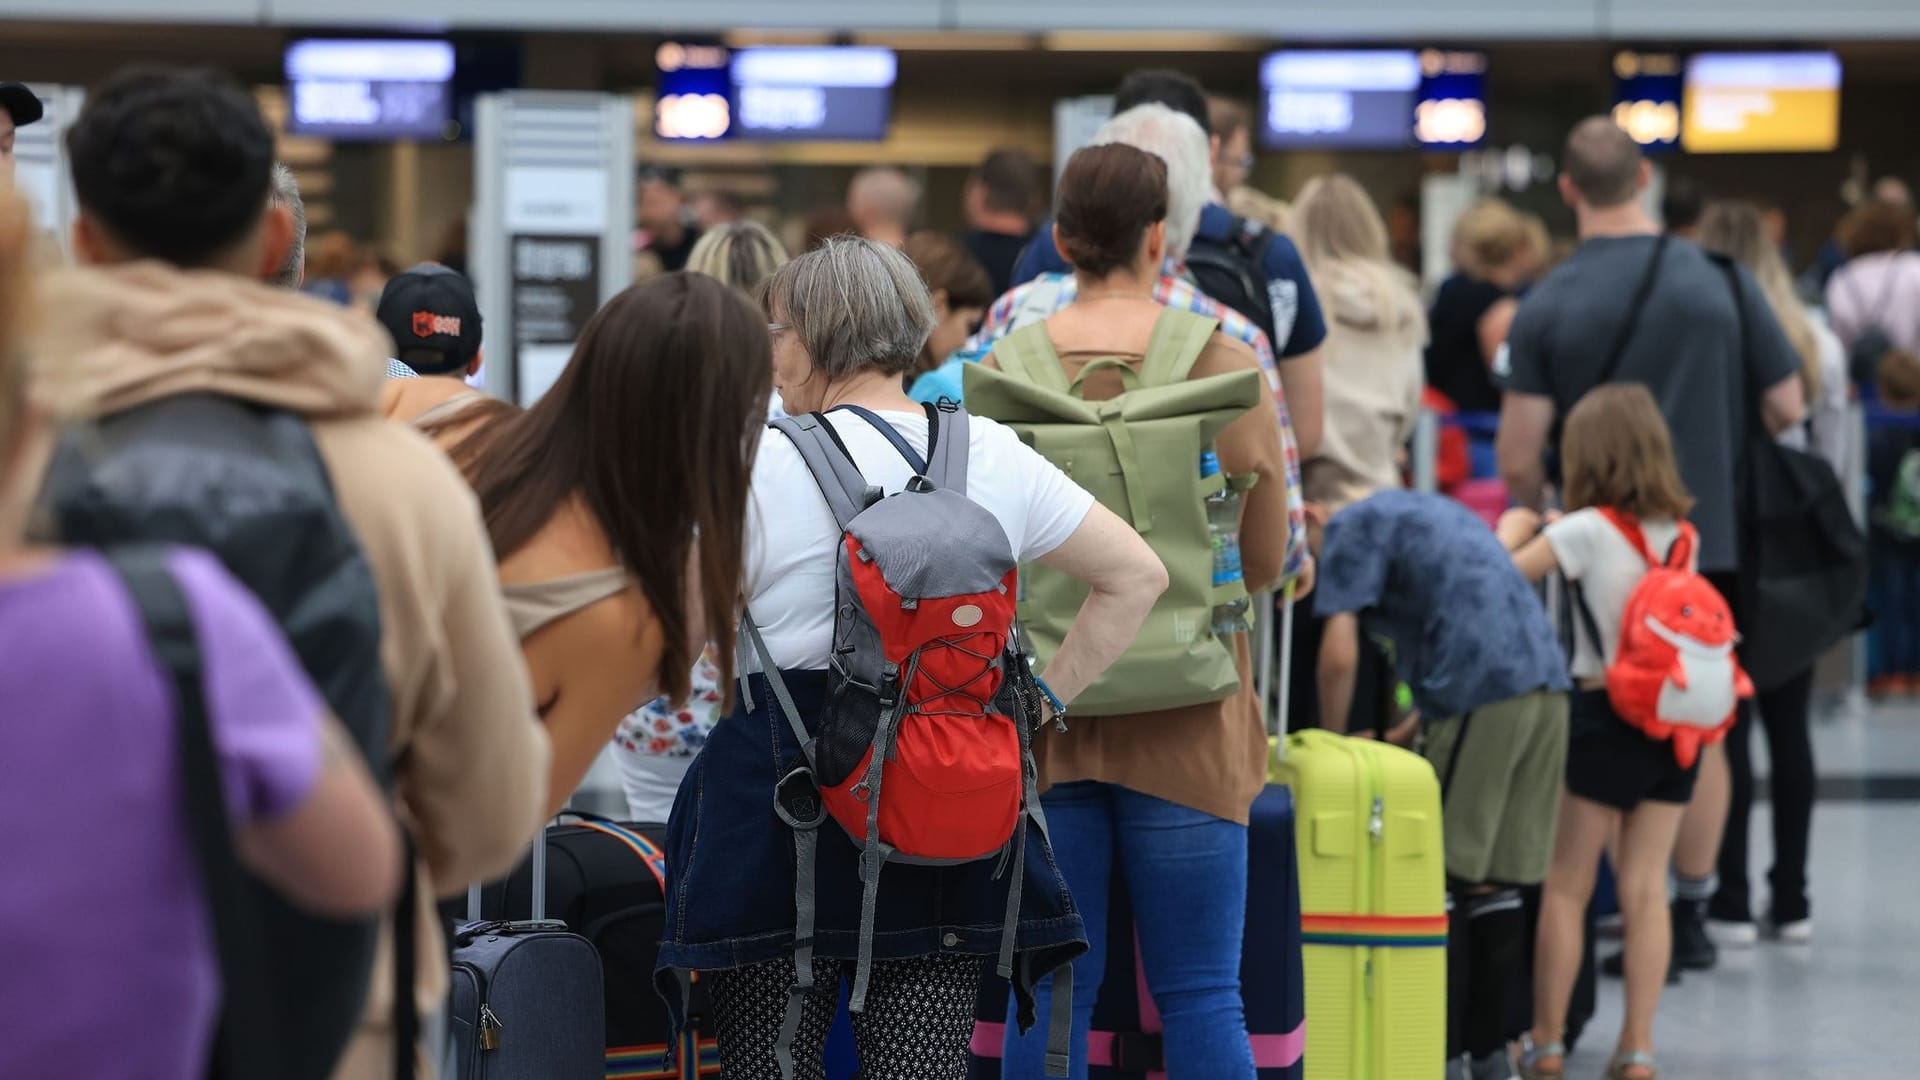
(1842,1008)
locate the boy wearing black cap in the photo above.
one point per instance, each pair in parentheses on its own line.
(434,320)
(18,108)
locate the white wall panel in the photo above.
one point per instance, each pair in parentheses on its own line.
(623,15)
(180,11)
(1399,20)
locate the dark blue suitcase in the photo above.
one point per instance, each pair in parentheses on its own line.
(1125,1041)
(527,1000)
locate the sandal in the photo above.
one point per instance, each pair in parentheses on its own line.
(1632,1059)
(1532,1056)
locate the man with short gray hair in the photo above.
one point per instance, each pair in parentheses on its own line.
(285,193)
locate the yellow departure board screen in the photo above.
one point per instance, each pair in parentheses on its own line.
(1756,103)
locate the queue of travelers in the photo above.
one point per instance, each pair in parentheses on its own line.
(765,538)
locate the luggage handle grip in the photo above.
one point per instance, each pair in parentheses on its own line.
(538,885)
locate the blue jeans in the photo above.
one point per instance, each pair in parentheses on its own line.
(1895,600)
(1186,874)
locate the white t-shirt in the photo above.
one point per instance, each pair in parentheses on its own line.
(793,543)
(1592,552)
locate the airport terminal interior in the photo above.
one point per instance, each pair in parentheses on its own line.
(556,153)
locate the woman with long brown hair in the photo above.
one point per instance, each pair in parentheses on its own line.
(617,505)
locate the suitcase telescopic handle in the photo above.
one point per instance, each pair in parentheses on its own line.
(538,886)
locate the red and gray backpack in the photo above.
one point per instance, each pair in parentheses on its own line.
(922,754)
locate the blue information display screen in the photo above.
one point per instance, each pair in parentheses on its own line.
(1452,111)
(1646,98)
(343,89)
(773,93)
(1346,99)
(798,93)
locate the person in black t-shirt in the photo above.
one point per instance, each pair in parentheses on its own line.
(1498,252)
(1000,198)
(1705,366)
(661,213)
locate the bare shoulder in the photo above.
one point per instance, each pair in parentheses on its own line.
(1224,353)
(616,642)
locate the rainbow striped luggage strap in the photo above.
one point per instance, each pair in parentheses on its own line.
(1375,931)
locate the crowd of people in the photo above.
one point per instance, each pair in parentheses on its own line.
(637,560)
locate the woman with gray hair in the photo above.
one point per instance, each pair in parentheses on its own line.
(848,320)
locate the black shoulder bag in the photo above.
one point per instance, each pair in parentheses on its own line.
(1803,559)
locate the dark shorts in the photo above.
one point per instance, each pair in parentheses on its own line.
(1613,764)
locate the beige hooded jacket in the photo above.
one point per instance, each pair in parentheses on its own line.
(472,759)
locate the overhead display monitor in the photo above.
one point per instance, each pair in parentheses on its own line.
(691,99)
(370,89)
(1355,99)
(1452,111)
(804,93)
(1646,98)
(1761,103)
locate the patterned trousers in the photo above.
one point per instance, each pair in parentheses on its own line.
(916,1026)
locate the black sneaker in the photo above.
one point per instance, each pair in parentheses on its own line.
(1615,967)
(1692,948)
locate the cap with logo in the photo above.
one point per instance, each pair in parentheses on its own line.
(434,319)
(21,104)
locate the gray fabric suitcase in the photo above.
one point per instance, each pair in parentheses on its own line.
(527,1001)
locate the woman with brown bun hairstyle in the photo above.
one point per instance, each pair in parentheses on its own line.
(617,505)
(1163,796)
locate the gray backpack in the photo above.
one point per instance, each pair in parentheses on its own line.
(923,753)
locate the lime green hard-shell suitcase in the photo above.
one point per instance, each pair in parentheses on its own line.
(1373,906)
(1139,455)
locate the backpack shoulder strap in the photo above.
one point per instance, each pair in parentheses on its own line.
(1028,354)
(241,1046)
(832,467)
(1630,528)
(947,448)
(1179,337)
(888,432)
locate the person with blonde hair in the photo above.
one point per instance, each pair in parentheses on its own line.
(741,254)
(1376,329)
(1497,252)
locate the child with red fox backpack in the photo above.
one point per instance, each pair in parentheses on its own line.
(1656,678)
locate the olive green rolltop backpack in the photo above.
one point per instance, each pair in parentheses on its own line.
(1139,454)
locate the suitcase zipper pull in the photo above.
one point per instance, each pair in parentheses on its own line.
(1377,823)
(490,1028)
